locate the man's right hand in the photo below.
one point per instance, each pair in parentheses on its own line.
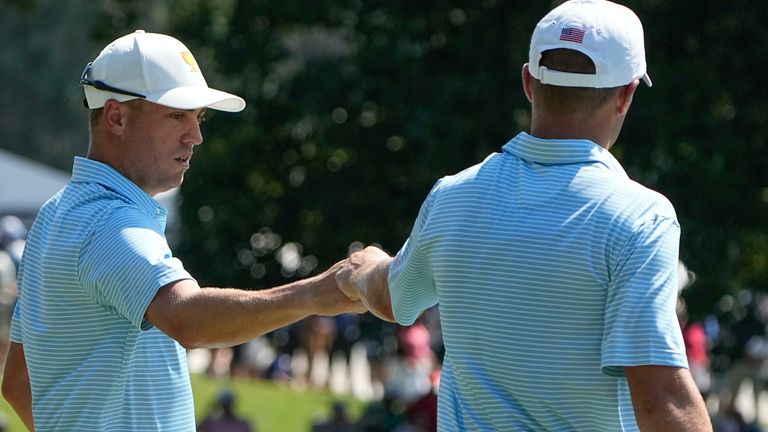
(364,276)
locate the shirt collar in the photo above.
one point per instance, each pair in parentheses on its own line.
(90,171)
(561,151)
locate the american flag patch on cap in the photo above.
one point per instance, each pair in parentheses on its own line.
(572,34)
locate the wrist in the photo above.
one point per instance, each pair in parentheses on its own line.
(314,291)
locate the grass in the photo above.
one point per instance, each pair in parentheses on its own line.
(268,406)
(13,422)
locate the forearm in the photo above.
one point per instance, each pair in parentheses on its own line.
(666,398)
(208,317)
(678,421)
(668,416)
(16,389)
(24,411)
(228,316)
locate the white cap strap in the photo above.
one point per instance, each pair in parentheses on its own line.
(566,79)
(571,79)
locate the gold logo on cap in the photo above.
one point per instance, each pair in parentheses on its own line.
(187,56)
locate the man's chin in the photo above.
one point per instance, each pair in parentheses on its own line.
(161,189)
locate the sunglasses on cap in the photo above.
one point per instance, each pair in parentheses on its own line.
(85,79)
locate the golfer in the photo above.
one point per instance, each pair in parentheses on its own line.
(555,273)
(105,311)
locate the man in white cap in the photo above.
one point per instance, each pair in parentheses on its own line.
(556,274)
(105,310)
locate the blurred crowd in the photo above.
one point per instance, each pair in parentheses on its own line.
(13,234)
(396,369)
(727,352)
(728,357)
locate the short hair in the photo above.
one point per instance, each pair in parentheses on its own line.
(95,114)
(568,100)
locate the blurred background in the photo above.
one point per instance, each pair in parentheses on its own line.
(355,109)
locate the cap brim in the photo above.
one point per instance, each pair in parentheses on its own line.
(647,80)
(97,98)
(198,97)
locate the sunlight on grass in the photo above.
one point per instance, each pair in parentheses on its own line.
(268,406)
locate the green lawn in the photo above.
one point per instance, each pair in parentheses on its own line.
(269,407)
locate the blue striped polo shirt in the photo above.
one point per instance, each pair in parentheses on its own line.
(94,259)
(553,271)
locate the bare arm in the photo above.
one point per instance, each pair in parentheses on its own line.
(364,276)
(16,388)
(665,398)
(207,317)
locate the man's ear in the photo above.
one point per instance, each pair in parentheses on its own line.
(625,97)
(114,117)
(527,83)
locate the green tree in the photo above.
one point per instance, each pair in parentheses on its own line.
(699,136)
(357,107)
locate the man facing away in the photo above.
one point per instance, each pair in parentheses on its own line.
(555,273)
(105,310)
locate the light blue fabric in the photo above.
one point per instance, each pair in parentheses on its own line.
(94,259)
(553,271)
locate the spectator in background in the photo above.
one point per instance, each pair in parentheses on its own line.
(730,420)
(220,365)
(7,300)
(407,374)
(253,358)
(696,348)
(422,413)
(697,343)
(744,342)
(431,320)
(222,417)
(384,415)
(316,335)
(338,421)
(347,334)
(556,274)
(13,234)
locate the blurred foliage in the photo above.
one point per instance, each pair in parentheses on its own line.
(24,5)
(42,113)
(356,107)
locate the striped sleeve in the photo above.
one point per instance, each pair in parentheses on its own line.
(16,322)
(641,326)
(16,335)
(411,280)
(125,260)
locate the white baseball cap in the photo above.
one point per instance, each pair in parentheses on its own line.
(608,33)
(155,67)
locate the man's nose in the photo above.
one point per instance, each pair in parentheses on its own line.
(194,135)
